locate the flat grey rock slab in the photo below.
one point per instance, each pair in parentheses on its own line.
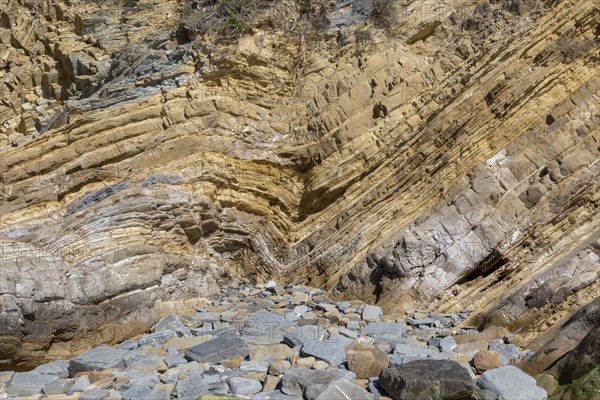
(172,323)
(507,352)
(79,384)
(254,366)
(404,353)
(173,361)
(222,348)
(379,329)
(447,344)
(427,380)
(264,327)
(28,383)
(372,313)
(348,333)
(192,387)
(332,350)
(353,325)
(98,359)
(419,322)
(59,368)
(59,386)
(145,362)
(244,386)
(508,382)
(157,339)
(310,382)
(341,389)
(275,395)
(301,335)
(129,344)
(139,378)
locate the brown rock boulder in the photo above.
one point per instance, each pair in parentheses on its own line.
(485,360)
(579,361)
(366,360)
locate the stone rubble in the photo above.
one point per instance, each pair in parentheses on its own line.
(243,347)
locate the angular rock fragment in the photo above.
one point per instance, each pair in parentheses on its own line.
(217,350)
(311,383)
(332,350)
(98,359)
(427,380)
(341,389)
(28,383)
(508,382)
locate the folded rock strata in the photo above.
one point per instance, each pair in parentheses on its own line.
(449,161)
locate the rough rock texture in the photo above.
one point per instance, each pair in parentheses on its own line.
(581,360)
(427,379)
(449,160)
(366,361)
(485,360)
(508,383)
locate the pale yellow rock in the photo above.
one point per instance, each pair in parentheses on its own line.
(449,168)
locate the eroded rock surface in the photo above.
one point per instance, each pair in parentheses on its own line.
(450,160)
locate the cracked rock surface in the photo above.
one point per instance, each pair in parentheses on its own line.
(447,162)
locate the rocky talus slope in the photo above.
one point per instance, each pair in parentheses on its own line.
(270,342)
(412,154)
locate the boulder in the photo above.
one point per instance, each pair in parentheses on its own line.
(427,380)
(299,298)
(172,322)
(265,352)
(145,362)
(270,383)
(79,384)
(217,350)
(305,362)
(59,368)
(508,382)
(254,366)
(158,392)
(311,383)
(28,383)
(579,361)
(447,344)
(273,395)
(278,367)
(507,352)
(185,343)
(371,313)
(98,359)
(332,350)
(173,361)
(243,386)
(59,386)
(156,339)
(385,331)
(264,327)
(299,336)
(341,389)
(192,386)
(419,322)
(366,360)
(486,360)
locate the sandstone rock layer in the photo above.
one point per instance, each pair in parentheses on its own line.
(449,160)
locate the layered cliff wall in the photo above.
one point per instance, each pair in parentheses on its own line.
(446,160)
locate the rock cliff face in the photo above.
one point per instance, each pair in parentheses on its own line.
(446,160)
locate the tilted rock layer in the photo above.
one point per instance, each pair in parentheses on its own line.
(448,161)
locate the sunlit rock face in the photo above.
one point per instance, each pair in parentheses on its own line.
(446,161)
